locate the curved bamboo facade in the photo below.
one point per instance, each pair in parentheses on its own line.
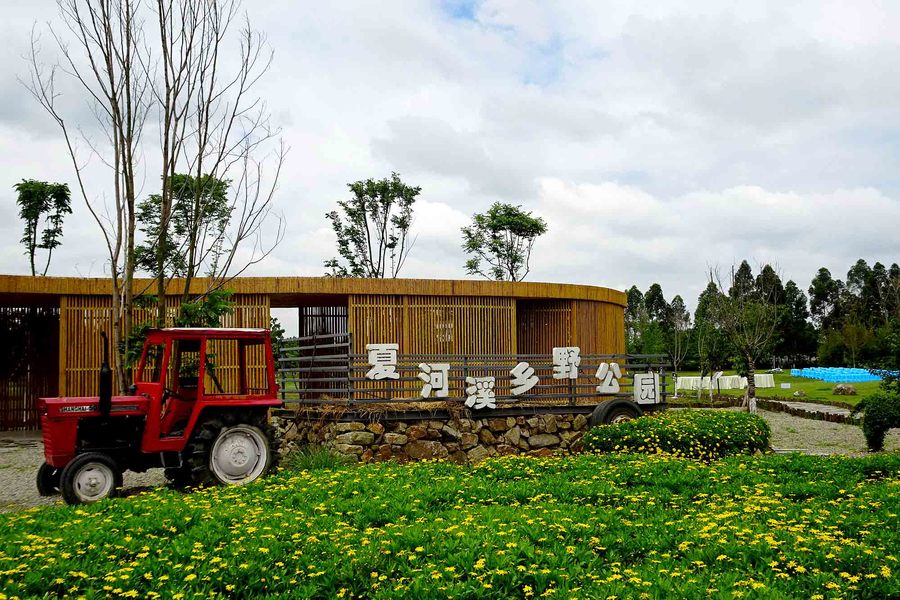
(422,316)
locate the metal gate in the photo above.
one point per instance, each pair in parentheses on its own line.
(322,370)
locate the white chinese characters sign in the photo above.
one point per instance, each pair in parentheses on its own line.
(646,388)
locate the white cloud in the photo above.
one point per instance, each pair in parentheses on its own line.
(657,139)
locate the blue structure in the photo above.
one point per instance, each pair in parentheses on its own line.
(836,374)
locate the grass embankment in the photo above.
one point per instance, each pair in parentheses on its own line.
(815,390)
(585,526)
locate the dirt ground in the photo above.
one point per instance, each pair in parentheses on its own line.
(22,454)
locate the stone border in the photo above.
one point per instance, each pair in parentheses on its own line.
(774,406)
(461,440)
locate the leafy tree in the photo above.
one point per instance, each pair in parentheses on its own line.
(855,336)
(825,300)
(373,231)
(656,305)
(50,201)
(742,284)
(503,238)
(797,336)
(634,313)
(199,217)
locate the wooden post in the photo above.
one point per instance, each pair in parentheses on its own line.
(63,323)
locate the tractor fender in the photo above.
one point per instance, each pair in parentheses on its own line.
(614,411)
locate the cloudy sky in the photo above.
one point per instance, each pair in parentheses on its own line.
(657,139)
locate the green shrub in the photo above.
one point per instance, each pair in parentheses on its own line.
(882,412)
(698,434)
(311,458)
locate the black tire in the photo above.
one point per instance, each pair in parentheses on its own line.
(614,411)
(77,485)
(199,450)
(48,480)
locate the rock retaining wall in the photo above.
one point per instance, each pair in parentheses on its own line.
(462,440)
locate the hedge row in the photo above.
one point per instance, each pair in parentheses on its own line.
(698,434)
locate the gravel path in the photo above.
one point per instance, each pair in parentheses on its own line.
(22,454)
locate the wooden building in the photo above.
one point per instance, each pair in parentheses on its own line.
(50,326)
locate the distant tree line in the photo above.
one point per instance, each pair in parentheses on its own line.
(855,322)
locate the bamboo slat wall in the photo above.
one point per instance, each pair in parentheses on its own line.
(82,318)
(425,317)
(28,365)
(434,324)
(542,325)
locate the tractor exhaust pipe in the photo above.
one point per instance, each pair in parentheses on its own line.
(106,382)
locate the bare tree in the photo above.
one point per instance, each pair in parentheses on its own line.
(213,128)
(163,60)
(747,317)
(101,53)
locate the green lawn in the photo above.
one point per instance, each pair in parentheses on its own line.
(816,391)
(587,526)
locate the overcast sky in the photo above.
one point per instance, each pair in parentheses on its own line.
(655,139)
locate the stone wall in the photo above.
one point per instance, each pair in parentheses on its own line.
(462,440)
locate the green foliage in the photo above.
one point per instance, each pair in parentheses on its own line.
(276,332)
(36,200)
(882,412)
(205,311)
(314,458)
(586,526)
(697,434)
(195,231)
(500,242)
(372,233)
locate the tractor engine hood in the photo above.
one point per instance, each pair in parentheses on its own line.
(55,408)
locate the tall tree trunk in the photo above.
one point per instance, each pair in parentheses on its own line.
(751,383)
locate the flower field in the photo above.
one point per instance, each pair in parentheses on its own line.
(586,526)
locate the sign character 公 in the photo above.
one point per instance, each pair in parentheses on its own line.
(609,375)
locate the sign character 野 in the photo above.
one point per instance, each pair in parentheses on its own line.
(566,361)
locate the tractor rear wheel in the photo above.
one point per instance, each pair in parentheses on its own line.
(231,448)
(48,480)
(90,477)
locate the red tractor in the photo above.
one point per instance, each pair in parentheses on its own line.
(198,408)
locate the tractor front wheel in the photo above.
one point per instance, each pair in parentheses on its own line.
(228,449)
(90,477)
(48,480)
